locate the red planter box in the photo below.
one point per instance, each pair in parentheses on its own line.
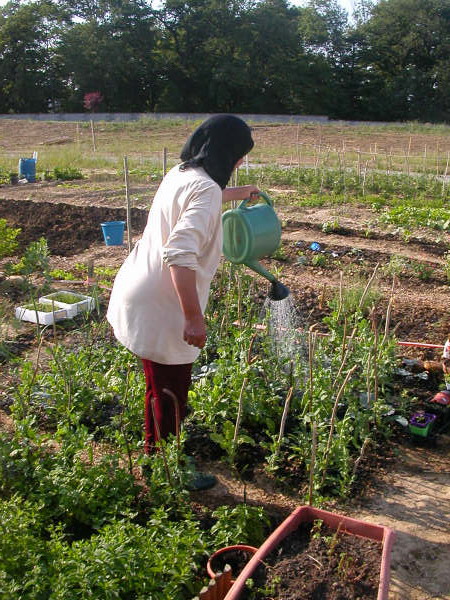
(305,514)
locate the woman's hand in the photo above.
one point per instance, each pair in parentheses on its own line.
(239,193)
(184,281)
(195,331)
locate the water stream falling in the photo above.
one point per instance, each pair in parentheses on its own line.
(283,327)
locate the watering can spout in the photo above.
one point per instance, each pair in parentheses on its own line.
(278,291)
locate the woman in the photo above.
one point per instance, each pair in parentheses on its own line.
(161,291)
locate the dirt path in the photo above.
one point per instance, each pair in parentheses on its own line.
(414,500)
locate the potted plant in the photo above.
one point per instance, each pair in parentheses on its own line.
(338,523)
(421,423)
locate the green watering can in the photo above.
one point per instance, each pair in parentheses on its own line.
(251,233)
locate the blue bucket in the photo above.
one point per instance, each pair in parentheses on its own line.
(27,169)
(113,232)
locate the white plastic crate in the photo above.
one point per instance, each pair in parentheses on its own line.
(85,304)
(37,316)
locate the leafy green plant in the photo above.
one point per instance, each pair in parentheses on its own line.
(242,524)
(67,173)
(447,265)
(62,274)
(331,226)
(319,260)
(8,239)
(35,259)
(413,216)
(422,271)
(66,297)
(41,307)
(279,254)
(397,265)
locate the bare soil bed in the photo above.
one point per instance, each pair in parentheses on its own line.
(323,566)
(409,488)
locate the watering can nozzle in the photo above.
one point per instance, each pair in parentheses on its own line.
(278,291)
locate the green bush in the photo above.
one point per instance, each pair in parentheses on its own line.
(8,242)
(67,173)
(35,259)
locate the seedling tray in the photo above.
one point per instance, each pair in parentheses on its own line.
(84,304)
(37,316)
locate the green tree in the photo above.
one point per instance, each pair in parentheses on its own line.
(406,60)
(109,48)
(30,75)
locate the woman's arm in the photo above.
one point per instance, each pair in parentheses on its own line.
(184,281)
(239,193)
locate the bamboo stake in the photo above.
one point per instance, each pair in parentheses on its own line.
(369,283)
(445,173)
(127,196)
(375,358)
(164,166)
(341,276)
(240,410)
(312,463)
(366,442)
(93,136)
(333,418)
(285,414)
(312,336)
(388,319)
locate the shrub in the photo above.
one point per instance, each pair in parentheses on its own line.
(8,242)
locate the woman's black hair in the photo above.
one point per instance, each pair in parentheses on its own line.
(217,145)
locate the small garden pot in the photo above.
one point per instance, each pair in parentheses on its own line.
(421,423)
(339,523)
(236,556)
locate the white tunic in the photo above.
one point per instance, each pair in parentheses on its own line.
(184,228)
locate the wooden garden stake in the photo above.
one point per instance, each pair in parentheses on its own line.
(127,196)
(285,414)
(240,410)
(312,336)
(445,173)
(93,136)
(333,418)
(375,357)
(388,312)
(366,443)
(164,161)
(312,463)
(369,283)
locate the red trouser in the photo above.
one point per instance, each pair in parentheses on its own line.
(164,411)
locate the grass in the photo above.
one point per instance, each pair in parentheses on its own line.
(403,147)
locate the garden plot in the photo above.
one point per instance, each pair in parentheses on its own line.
(396,478)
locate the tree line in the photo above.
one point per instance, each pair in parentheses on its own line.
(390,61)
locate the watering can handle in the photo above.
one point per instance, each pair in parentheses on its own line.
(262,195)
